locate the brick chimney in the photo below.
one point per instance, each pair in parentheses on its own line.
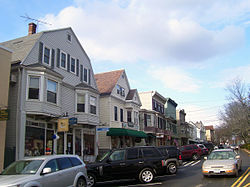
(32,28)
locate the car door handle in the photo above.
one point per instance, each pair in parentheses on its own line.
(141,162)
(122,164)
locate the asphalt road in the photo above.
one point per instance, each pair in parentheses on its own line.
(189,175)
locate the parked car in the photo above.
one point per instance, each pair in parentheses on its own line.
(222,162)
(209,146)
(142,162)
(191,151)
(234,146)
(221,146)
(49,171)
(174,157)
(203,148)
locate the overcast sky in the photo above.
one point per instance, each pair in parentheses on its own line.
(188,50)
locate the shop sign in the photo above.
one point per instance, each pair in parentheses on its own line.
(4,114)
(103,129)
(72,121)
(63,125)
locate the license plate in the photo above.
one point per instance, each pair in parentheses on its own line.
(216,171)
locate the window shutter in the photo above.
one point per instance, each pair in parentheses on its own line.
(77,67)
(89,77)
(58,58)
(81,72)
(40,54)
(53,59)
(68,63)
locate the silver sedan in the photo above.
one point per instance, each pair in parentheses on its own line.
(49,171)
(222,162)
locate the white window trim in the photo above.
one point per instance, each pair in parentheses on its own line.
(65,68)
(76,98)
(93,105)
(50,52)
(70,65)
(86,74)
(40,87)
(57,92)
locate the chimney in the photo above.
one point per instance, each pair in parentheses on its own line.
(32,28)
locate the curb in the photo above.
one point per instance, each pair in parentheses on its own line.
(247,151)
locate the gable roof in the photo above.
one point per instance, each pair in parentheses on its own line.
(131,94)
(107,81)
(21,46)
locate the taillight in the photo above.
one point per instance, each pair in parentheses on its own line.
(180,157)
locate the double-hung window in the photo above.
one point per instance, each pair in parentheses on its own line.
(33,87)
(115,113)
(92,105)
(121,115)
(80,103)
(51,91)
(73,65)
(85,75)
(63,60)
(46,55)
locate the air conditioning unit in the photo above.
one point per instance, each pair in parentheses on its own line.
(13,78)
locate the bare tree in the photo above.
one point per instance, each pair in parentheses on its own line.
(236,115)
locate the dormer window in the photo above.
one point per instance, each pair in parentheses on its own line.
(73,65)
(46,56)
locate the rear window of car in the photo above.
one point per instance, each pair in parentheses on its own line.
(64,163)
(151,152)
(75,161)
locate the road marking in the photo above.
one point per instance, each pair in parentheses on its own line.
(184,163)
(188,163)
(247,185)
(243,180)
(240,177)
(195,163)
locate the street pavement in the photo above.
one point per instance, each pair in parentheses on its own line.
(189,175)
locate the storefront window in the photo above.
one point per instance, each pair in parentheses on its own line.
(60,143)
(49,142)
(89,144)
(78,142)
(34,141)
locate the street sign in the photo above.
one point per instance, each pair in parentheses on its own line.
(72,121)
(103,129)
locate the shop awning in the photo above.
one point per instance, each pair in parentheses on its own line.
(126,132)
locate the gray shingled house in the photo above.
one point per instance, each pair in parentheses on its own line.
(53,97)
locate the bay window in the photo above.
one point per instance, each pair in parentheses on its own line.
(33,87)
(92,105)
(80,103)
(51,91)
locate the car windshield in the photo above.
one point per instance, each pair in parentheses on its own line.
(101,158)
(23,167)
(222,155)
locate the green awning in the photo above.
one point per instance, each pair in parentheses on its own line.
(126,132)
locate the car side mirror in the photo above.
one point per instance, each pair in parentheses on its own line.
(205,158)
(237,157)
(46,170)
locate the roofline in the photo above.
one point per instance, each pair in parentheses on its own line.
(109,71)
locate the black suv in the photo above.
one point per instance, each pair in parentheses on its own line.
(143,163)
(174,158)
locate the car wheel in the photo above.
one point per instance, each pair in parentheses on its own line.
(91,180)
(171,168)
(81,183)
(195,157)
(146,175)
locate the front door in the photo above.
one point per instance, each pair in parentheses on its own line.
(69,144)
(78,143)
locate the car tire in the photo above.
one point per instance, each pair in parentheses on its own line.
(171,168)
(91,180)
(146,175)
(81,182)
(195,157)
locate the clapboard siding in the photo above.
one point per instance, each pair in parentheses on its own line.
(11,123)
